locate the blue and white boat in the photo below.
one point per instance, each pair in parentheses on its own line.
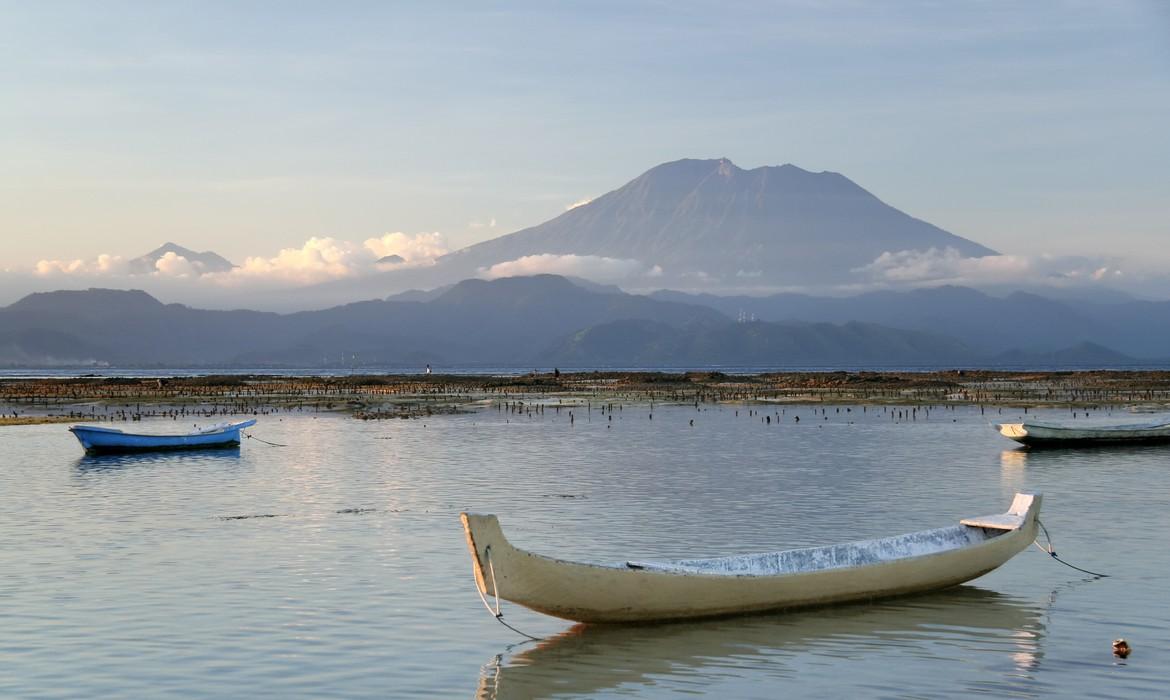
(98,439)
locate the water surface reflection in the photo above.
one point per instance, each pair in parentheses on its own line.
(586,660)
(1057,456)
(130,460)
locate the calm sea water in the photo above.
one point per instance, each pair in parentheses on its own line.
(513,370)
(336,567)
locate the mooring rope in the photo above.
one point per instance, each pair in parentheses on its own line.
(274,444)
(1051,551)
(495,592)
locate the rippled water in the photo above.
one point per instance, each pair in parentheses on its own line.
(336,567)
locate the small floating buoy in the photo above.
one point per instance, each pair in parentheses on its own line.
(1121,648)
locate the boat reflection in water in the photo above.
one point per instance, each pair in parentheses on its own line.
(964,622)
(129,460)
(1023,456)
(1016,459)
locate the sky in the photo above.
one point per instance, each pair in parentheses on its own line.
(291,136)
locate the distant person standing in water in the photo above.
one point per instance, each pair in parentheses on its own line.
(428,369)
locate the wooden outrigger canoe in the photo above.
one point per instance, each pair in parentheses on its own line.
(1086,433)
(654,591)
(96,439)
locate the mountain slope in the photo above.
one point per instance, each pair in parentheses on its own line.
(985,323)
(48,348)
(778,225)
(501,322)
(549,320)
(651,344)
(504,321)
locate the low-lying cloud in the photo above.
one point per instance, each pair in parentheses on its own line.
(319,259)
(103,264)
(324,259)
(329,270)
(419,249)
(172,264)
(591,267)
(948,266)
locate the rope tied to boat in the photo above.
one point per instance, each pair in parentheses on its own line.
(1051,551)
(253,437)
(497,613)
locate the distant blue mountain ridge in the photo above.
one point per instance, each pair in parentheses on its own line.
(548,320)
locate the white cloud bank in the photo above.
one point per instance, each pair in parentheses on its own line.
(948,266)
(172,264)
(101,265)
(590,267)
(420,249)
(317,260)
(324,259)
(354,264)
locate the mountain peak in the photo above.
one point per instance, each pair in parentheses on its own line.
(694,167)
(204,262)
(727,167)
(169,247)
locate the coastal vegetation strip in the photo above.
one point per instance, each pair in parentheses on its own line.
(33,420)
(410,396)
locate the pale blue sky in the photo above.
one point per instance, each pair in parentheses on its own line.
(246,127)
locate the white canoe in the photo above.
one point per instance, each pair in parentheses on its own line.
(649,591)
(1086,432)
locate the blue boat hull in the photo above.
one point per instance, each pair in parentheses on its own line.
(98,440)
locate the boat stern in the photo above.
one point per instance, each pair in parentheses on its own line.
(482,532)
(1027,507)
(1013,431)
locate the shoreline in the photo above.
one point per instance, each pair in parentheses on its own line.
(372,397)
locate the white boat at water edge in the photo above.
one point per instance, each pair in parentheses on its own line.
(1087,432)
(643,591)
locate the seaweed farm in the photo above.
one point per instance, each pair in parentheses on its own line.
(407,396)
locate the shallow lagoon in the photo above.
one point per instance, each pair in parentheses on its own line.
(336,566)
